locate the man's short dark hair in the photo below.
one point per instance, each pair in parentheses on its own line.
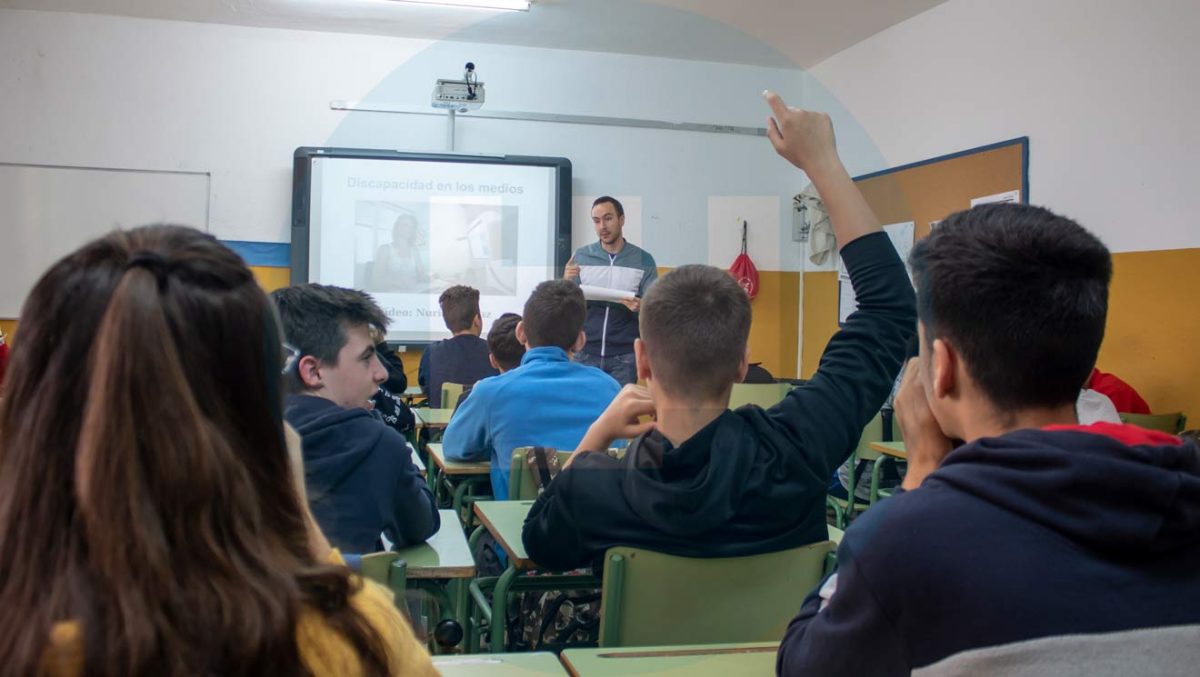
(612,201)
(1022,295)
(502,341)
(315,318)
(695,322)
(554,314)
(460,306)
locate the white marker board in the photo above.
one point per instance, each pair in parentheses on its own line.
(48,211)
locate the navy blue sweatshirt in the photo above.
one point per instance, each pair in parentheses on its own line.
(360,477)
(753,480)
(1033,534)
(460,359)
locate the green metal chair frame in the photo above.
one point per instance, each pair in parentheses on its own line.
(1173,423)
(390,570)
(521,485)
(451,393)
(845,509)
(764,395)
(649,598)
(387,569)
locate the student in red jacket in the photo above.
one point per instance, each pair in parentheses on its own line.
(1123,396)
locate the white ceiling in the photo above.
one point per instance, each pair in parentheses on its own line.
(760,32)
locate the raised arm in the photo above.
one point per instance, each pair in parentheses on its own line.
(825,417)
(806,139)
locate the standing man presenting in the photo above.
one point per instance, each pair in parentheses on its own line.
(614,264)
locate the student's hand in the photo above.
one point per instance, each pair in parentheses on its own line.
(634,304)
(924,442)
(620,420)
(571,272)
(801,137)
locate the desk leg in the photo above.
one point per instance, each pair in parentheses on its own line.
(499,622)
(460,601)
(432,475)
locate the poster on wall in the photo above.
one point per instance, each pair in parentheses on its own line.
(901,235)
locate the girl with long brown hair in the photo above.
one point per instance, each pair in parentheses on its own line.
(151,521)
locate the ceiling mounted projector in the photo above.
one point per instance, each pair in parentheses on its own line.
(459,95)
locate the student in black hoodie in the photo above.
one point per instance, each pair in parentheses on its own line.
(1039,546)
(359,471)
(704,481)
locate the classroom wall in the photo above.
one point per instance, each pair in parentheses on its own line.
(235,101)
(1105,92)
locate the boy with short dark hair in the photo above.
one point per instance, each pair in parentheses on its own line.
(701,480)
(359,472)
(549,401)
(504,350)
(462,358)
(1038,546)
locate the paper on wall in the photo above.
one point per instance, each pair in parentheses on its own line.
(1013,196)
(593,293)
(902,236)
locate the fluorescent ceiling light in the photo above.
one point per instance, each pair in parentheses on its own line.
(511,5)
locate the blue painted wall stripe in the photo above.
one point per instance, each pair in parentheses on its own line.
(271,254)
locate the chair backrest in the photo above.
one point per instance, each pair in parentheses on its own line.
(649,598)
(872,432)
(763,394)
(1167,423)
(451,392)
(386,568)
(521,484)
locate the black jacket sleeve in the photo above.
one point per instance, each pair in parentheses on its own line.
(851,636)
(551,534)
(825,416)
(397,381)
(409,512)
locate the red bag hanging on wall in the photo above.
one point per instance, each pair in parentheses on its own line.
(743,269)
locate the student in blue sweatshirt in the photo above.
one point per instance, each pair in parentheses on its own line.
(358,470)
(1038,546)
(548,401)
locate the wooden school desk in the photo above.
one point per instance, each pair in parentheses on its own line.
(459,477)
(499,665)
(715,660)
(432,419)
(504,520)
(445,555)
(893,449)
(420,465)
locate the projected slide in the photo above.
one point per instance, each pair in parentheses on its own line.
(406,230)
(474,244)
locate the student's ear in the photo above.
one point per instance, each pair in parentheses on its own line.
(580,342)
(309,369)
(744,366)
(642,360)
(477,324)
(492,361)
(520,332)
(945,366)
